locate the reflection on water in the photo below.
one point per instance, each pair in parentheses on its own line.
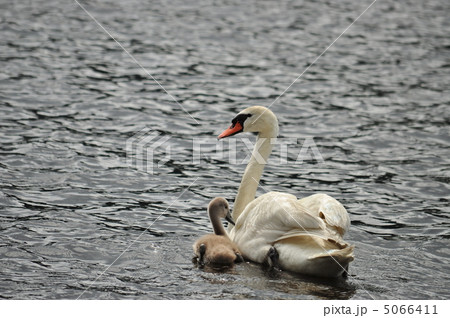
(375,105)
(272,283)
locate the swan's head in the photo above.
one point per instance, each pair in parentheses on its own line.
(219,208)
(253,119)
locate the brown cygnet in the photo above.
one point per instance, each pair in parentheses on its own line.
(217,248)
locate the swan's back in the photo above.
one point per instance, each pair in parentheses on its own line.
(307,233)
(329,209)
(271,216)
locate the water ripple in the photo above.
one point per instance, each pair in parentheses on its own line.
(376,105)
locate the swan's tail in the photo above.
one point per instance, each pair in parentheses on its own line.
(314,255)
(334,261)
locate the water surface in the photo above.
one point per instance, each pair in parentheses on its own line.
(376,104)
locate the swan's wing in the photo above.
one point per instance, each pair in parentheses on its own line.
(314,233)
(329,209)
(278,211)
(269,217)
(306,233)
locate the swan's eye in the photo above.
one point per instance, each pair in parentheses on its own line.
(240,119)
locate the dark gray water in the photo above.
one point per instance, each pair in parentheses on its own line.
(376,105)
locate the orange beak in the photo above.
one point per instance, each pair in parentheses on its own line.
(233,130)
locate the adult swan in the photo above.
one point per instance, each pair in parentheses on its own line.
(303,236)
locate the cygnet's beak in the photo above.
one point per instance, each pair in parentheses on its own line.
(229,218)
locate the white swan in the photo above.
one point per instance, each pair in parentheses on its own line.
(303,236)
(217,248)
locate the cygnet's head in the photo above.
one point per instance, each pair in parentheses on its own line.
(219,208)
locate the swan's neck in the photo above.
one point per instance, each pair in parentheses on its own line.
(253,172)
